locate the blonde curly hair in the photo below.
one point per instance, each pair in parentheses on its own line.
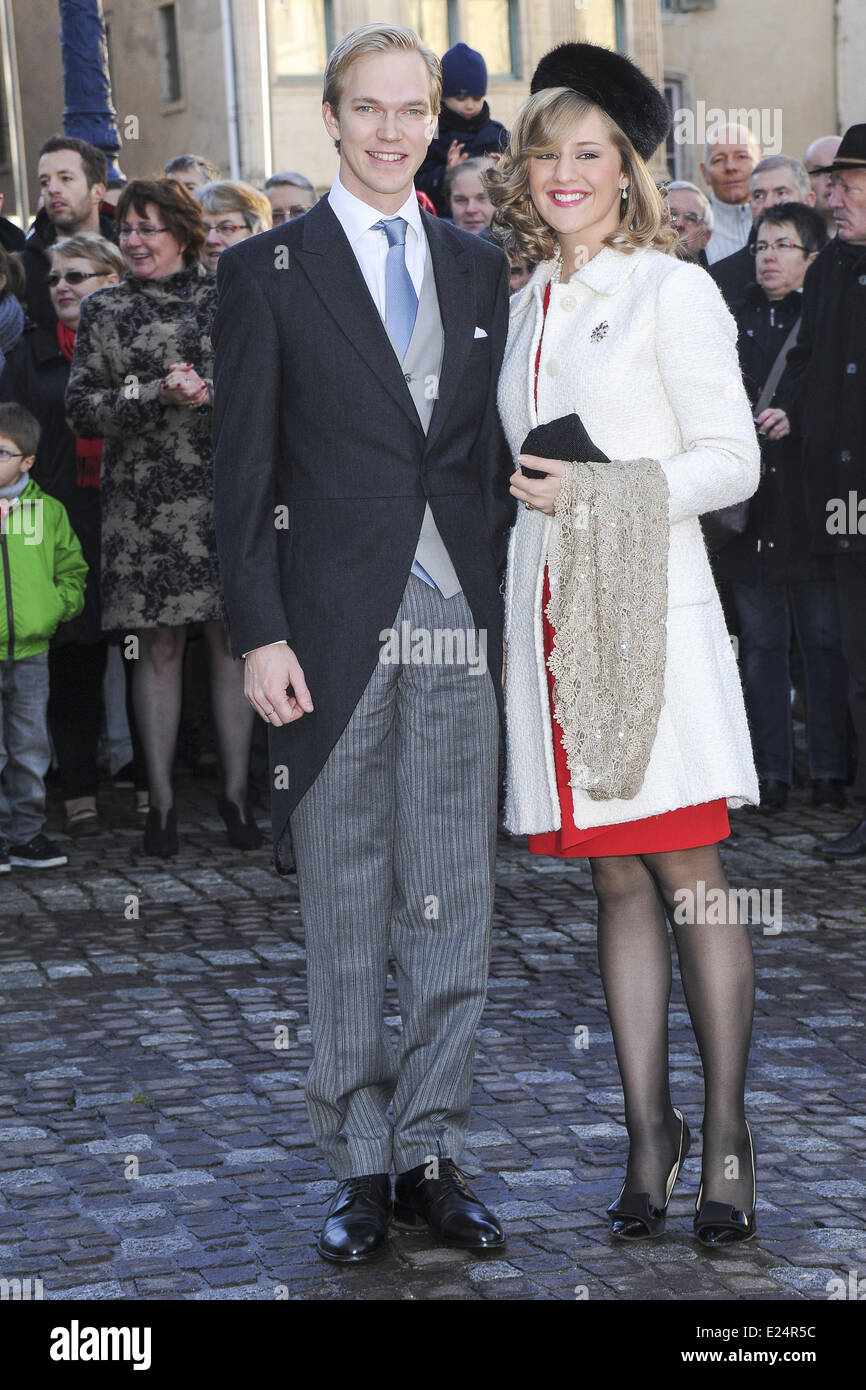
(542,124)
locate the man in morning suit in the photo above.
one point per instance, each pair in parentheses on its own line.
(361,503)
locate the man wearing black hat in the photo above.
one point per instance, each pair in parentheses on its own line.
(823,392)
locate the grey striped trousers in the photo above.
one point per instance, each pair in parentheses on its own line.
(395,845)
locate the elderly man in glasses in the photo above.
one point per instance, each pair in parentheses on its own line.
(692,214)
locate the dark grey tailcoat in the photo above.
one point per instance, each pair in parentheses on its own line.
(312,414)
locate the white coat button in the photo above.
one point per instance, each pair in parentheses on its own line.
(569,303)
(553,368)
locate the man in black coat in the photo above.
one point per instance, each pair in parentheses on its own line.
(361,505)
(824,395)
(72,178)
(775,583)
(11,237)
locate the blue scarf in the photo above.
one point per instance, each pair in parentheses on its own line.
(11,321)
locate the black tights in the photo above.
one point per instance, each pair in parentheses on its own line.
(637,894)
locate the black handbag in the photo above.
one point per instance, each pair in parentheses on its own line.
(564,438)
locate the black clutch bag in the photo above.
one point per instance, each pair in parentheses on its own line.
(564,438)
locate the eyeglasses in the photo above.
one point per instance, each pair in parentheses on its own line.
(73,277)
(143,230)
(691,217)
(226,228)
(281,216)
(761,246)
(6,455)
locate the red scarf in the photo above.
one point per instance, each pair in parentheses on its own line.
(88,452)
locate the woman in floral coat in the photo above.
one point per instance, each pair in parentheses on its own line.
(141,380)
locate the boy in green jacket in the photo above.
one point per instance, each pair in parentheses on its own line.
(42,573)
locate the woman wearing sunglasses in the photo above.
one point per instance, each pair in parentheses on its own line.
(36,375)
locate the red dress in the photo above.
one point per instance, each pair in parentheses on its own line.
(684,828)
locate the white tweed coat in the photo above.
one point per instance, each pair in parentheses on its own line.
(659,378)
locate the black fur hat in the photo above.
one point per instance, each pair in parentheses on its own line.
(614,83)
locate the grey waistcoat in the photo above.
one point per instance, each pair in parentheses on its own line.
(422,366)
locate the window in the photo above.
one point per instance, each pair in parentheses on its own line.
(169,55)
(300,37)
(433,20)
(5,153)
(489,27)
(673,150)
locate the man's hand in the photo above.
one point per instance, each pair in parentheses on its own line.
(540,493)
(268,672)
(773,423)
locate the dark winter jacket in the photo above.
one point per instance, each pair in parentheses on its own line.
(733,274)
(824,392)
(774,548)
(478,135)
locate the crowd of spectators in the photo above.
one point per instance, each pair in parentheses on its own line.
(114,656)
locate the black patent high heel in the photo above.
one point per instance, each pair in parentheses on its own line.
(632,1214)
(718,1225)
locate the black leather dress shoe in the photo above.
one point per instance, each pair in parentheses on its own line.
(447,1205)
(774,795)
(827,791)
(356,1227)
(849,847)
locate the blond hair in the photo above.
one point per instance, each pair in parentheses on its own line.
(378,38)
(90,247)
(542,124)
(224,196)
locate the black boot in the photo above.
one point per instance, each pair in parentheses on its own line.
(160,838)
(774,795)
(243,834)
(827,791)
(849,847)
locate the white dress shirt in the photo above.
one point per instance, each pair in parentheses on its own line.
(732,223)
(371,248)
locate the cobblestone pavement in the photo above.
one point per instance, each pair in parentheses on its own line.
(153,1138)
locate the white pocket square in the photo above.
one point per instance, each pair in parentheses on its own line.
(479,333)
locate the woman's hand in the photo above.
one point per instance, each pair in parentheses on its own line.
(773,423)
(540,493)
(184,386)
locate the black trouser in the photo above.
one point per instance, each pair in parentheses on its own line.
(851,590)
(76,672)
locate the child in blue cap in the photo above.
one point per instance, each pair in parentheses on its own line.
(465,125)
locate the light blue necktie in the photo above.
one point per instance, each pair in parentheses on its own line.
(401,308)
(401,301)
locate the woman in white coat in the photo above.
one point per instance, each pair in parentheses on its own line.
(627,735)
